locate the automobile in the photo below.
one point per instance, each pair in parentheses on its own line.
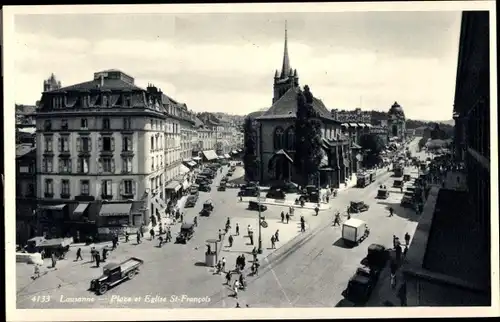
(208,207)
(191,201)
(406,177)
(186,233)
(398,183)
(193,190)
(224,180)
(250,184)
(254,205)
(358,207)
(248,192)
(376,257)
(276,194)
(382,194)
(205,187)
(208,174)
(114,273)
(411,188)
(287,187)
(359,288)
(221,187)
(408,199)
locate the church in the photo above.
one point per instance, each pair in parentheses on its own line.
(275,135)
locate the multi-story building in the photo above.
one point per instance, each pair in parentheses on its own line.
(106,150)
(26,203)
(207,129)
(275,135)
(448,262)
(354,116)
(381,132)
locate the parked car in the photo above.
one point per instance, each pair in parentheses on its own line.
(248,192)
(254,205)
(382,194)
(208,207)
(276,194)
(398,183)
(186,233)
(205,187)
(358,207)
(408,199)
(221,187)
(191,201)
(114,273)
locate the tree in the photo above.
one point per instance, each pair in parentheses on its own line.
(250,154)
(308,145)
(372,145)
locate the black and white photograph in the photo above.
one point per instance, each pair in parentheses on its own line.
(293,160)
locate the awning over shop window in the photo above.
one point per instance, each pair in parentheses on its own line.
(53,207)
(234,152)
(227,156)
(185,184)
(183,169)
(345,124)
(210,155)
(173,185)
(190,164)
(197,158)
(221,157)
(353,125)
(81,208)
(115,209)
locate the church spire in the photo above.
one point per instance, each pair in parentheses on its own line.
(285,69)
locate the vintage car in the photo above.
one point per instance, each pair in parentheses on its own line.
(191,201)
(358,207)
(376,258)
(205,187)
(186,233)
(382,194)
(287,187)
(207,209)
(248,192)
(276,194)
(222,187)
(193,190)
(408,199)
(406,177)
(398,183)
(114,273)
(359,287)
(254,205)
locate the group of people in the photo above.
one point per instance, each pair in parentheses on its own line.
(400,254)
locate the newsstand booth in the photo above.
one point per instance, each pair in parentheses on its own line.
(114,219)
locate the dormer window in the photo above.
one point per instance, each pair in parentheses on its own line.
(105,100)
(127,100)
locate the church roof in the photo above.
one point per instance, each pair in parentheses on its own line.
(108,84)
(286,107)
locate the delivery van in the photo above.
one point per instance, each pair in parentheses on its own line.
(354,231)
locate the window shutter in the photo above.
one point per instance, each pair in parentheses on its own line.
(134,187)
(78,144)
(59,144)
(112,144)
(109,187)
(100,144)
(113,165)
(122,187)
(99,162)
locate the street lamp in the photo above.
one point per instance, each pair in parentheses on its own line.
(259,250)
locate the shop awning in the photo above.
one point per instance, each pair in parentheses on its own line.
(53,207)
(190,164)
(210,155)
(185,184)
(353,125)
(345,124)
(227,156)
(81,208)
(368,125)
(221,157)
(173,185)
(234,152)
(183,169)
(197,158)
(115,209)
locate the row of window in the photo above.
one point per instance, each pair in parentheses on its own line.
(286,139)
(84,144)
(105,165)
(127,188)
(103,100)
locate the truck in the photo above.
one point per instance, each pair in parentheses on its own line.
(114,273)
(354,231)
(363,179)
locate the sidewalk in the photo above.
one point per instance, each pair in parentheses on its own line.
(288,203)
(165,220)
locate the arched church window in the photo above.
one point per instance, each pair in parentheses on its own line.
(278,138)
(290,138)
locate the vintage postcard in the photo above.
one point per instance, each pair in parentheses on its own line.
(306,160)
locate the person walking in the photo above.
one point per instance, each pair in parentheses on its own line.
(104,254)
(97,259)
(327,198)
(228,278)
(407,238)
(195,221)
(237,229)
(254,253)
(36,273)
(152,233)
(391,212)
(223,264)
(220,235)
(138,237)
(126,236)
(92,254)
(273,240)
(302,226)
(230,239)
(79,254)
(251,237)
(336,221)
(282,217)
(236,287)
(160,238)
(277,235)
(316,210)
(287,217)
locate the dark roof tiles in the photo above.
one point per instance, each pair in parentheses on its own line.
(108,84)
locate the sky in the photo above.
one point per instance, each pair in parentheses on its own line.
(221,62)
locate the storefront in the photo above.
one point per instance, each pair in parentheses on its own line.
(51,219)
(210,156)
(80,224)
(114,218)
(172,192)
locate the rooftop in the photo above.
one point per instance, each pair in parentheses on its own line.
(107,84)
(23,149)
(25,109)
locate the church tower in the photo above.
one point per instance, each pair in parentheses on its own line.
(51,84)
(288,78)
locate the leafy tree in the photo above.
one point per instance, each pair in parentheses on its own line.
(372,145)
(308,150)
(250,154)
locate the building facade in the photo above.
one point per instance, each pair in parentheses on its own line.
(381,132)
(459,238)
(396,122)
(275,135)
(106,151)
(354,116)
(26,201)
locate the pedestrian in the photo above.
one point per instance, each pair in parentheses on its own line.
(302,227)
(92,253)
(79,254)
(223,264)
(104,254)
(235,288)
(327,199)
(228,278)
(391,212)
(316,210)
(273,240)
(97,259)
(251,237)
(255,267)
(241,198)
(394,241)
(230,240)
(126,236)
(337,219)
(243,261)
(228,222)
(36,273)
(113,242)
(407,238)
(287,216)
(138,236)
(277,235)
(282,217)
(141,232)
(152,233)
(254,253)
(195,221)
(237,229)
(220,235)
(160,238)
(238,305)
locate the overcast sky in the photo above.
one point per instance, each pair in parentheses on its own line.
(226,62)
